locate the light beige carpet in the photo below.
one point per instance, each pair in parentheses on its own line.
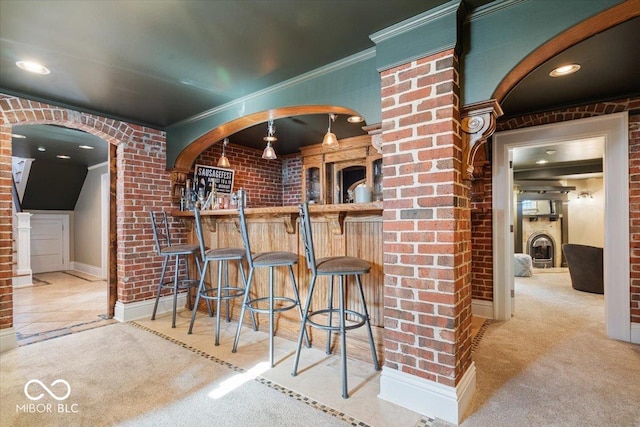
(552,363)
(126,376)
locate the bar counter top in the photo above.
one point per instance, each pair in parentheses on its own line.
(372,207)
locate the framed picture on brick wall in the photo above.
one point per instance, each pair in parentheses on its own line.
(207,176)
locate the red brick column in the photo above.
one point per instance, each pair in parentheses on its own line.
(427,233)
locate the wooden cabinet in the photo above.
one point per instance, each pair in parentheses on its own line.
(331,176)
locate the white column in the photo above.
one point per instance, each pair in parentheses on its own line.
(23,250)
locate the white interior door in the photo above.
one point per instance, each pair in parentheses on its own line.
(49,243)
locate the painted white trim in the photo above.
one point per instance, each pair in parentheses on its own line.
(144,309)
(428,397)
(86,268)
(482,308)
(8,339)
(23,281)
(614,129)
(415,22)
(105,185)
(635,333)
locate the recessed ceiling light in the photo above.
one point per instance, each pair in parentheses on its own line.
(32,67)
(85,147)
(355,119)
(17,136)
(42,149)
(550,152)
(564,70)
(542,161)
(62,156)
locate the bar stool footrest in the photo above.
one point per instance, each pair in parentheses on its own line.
(233,292)
(182,284)
(252,304)
(327,327)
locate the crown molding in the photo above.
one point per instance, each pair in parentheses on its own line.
(415,22)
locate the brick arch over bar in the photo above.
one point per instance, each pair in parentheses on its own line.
(133,145)
(185,159)
(590,27)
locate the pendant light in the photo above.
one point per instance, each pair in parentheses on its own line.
(224,161)
(330,140)
(269,153)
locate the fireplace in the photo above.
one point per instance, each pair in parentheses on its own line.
(541,247)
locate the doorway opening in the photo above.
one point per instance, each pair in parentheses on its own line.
(68,199)
(613,129)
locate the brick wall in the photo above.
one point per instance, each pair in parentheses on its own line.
(482,230)
(262,179)
(426,222)
(592,110)
(634,212)
(6,224)
(292,181)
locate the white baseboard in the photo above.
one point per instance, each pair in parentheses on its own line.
(86,268)
(23,281)
(8,339)
(144,309)
(427,397)
(482,308)
(635,333)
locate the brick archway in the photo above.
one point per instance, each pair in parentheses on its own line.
(128,145)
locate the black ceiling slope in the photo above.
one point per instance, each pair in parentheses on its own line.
(53,186)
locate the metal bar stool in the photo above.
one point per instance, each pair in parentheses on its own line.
(167,250)
(223,291)
(340,266)
(270,260)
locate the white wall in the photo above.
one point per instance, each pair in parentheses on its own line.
(586,215)
(87,223)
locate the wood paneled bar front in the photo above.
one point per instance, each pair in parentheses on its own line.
(353,229)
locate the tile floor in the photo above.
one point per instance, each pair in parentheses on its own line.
(67,302)
(58,304)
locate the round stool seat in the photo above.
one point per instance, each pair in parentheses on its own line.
(274,258)
(224,253)
(342,265)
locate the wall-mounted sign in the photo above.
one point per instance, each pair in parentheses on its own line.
(208,175)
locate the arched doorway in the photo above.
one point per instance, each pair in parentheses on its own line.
(23,112)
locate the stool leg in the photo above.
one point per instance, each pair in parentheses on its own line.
(330,307)
(366,314)
(199,293)
(298,303)
(246,289)
(226,283)
(221,264)
(343,338)
(303,326)
(175,291)
(271,316)
(164,269)
(185,262)
(242,309)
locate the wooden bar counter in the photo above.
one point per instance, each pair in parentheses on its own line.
(341,229)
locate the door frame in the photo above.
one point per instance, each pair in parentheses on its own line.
(614,128)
